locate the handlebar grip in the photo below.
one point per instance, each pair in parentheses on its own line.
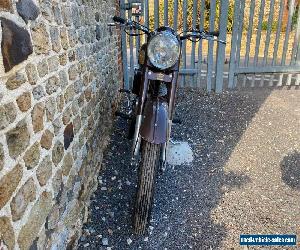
(184,37)
(119,19)
(213,33)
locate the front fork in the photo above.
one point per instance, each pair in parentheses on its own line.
(170,118)
(137,138)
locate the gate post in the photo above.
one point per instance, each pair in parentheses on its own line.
(221,47)
(233,50)
(124,47)
(210,54)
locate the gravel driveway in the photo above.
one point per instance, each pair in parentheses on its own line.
(245,177)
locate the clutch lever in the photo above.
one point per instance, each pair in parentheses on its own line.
(221,41)
(217,40)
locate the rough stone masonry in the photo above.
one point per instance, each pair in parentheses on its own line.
(59,76)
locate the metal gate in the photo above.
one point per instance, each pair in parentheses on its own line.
(257,50)
(269,31)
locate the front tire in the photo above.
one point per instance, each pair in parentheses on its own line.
(147,176)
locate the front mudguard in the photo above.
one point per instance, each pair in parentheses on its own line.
(154,128)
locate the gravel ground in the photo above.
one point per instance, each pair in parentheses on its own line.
(245,177)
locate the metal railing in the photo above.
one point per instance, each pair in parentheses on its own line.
(270,64)
(257,49)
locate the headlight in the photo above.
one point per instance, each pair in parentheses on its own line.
(163,50)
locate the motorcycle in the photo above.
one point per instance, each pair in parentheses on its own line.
(152,107)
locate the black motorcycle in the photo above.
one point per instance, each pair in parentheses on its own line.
(154,88)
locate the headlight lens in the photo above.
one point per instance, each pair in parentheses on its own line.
(163,50)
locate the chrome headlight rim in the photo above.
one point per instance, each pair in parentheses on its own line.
(167,32)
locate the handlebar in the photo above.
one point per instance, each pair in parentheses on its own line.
(194,34)
(203,35)
(118,19)
(213,33)
(200,34)
(131,24)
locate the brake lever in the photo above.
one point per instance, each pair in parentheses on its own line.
(218,40)
(211,38)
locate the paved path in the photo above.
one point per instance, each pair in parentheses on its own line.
(245,177)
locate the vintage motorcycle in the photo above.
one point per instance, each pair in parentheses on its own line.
(151,109)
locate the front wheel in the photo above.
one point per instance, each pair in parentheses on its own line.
(147,175)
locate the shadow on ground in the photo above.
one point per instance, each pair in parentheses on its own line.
(185,195)
(290,170)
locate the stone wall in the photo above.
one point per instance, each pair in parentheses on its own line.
(59,75)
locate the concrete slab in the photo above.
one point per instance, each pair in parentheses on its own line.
(179,153)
